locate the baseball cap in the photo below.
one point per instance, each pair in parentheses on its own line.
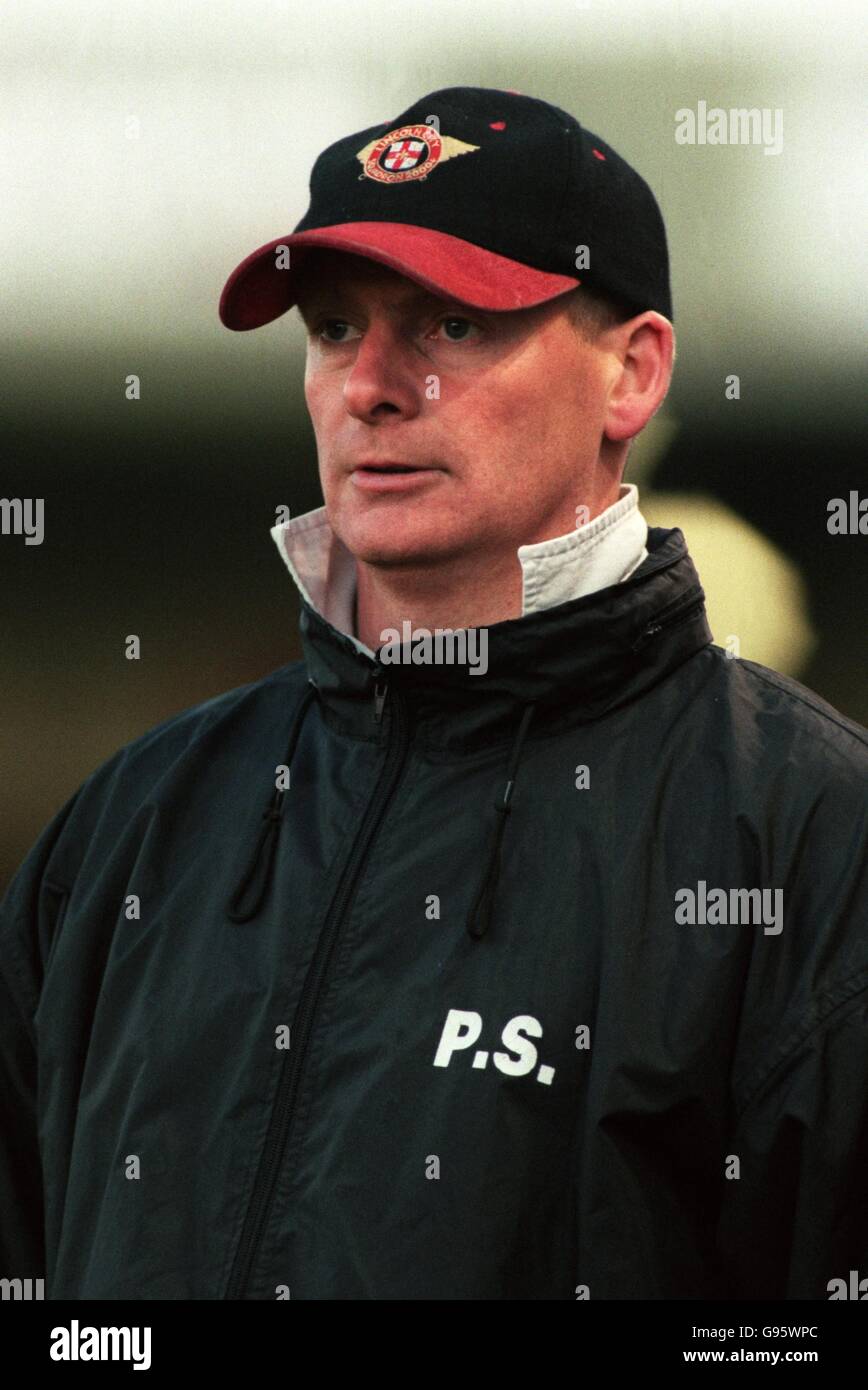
(479,195)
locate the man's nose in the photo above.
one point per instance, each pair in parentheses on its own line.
(386,377)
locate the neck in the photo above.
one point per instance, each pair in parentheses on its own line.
(470,590)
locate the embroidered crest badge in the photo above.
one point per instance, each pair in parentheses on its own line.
(410,152)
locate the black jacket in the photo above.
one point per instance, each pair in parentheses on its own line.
(513,1069)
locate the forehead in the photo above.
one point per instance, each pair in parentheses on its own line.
(325,271)
(328,277)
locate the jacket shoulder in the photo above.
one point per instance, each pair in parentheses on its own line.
(806,704)
(790,715)
(123,782)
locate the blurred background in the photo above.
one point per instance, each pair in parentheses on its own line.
(146,148)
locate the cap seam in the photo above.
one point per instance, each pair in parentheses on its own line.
(567,184)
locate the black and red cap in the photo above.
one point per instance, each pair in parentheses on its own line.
(479,195)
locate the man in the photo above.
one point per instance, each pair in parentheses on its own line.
(523,961)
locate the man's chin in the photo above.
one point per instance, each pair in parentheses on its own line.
(399,555)
(398,541)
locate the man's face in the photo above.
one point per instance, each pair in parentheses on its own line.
(503,412)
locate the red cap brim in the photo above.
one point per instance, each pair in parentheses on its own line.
(257,292)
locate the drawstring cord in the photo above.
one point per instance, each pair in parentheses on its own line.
(480,914)
(254,880)
(250,890)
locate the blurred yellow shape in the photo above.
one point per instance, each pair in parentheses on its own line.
(754,594)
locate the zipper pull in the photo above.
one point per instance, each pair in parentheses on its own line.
(380,694)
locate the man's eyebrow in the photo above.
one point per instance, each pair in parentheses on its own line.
(316,298)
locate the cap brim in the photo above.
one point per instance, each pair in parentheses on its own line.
(257,291)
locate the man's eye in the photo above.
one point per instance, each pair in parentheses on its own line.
(326,324)
(450,322)
(336,331)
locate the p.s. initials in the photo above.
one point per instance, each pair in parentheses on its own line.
(463,1028)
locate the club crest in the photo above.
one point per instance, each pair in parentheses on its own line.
(410,152)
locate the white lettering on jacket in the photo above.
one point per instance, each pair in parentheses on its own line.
(462,1029)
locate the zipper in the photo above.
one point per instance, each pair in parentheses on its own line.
(673,613)
(381,690)
(288,1083)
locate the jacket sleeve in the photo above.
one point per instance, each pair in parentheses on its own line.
(30,915)
(796,1217)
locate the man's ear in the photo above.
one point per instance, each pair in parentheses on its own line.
(645,348)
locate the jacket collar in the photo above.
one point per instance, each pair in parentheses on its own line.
(547,671)
(603,551)
(575,662)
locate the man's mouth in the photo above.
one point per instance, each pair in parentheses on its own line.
(390,476)
(388,467)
